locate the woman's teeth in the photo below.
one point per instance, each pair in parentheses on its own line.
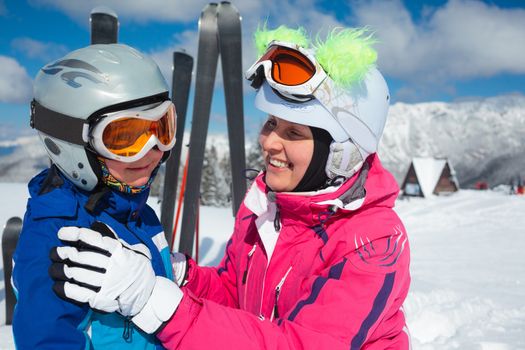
(278,163)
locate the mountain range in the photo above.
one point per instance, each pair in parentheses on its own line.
(484,140)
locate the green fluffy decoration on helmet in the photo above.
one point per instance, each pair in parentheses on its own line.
(346,54)
(263,37)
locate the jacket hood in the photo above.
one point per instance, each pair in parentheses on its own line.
(373,185)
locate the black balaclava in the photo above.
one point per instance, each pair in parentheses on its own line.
(315,176)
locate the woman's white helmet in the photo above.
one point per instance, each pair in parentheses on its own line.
(350,101)
(71,92)
(357,113)
(356,123)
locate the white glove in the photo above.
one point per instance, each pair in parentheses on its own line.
(111,276)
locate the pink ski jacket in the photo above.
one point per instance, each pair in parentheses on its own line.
(328,270)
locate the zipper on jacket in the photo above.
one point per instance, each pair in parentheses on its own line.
(127,334)
(277,293)
(262,291)
(246,272)
(250,254)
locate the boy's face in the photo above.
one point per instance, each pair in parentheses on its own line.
(136,173)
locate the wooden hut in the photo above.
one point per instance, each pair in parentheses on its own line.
(429,176)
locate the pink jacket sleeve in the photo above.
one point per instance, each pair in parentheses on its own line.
(218,283)
(353,304)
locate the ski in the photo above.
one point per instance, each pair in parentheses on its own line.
(229,30)
(9,240)
(207,57)
(104,26)
(180,89)
(219,33)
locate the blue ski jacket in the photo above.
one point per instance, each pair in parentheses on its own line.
(41,319)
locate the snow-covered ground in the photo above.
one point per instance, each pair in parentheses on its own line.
(468,266)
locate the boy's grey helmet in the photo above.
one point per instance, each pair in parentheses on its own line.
(73,91)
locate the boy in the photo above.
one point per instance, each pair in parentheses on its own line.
(104,116)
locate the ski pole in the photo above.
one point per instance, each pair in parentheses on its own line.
(179,204)
(180,88)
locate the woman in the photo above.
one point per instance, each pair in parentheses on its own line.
(318,258)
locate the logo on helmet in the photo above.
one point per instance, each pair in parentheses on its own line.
(69,76)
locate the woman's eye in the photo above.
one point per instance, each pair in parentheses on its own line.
(270,124)
(295,133)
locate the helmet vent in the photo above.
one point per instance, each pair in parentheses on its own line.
(110,57)
(51,146)
(80,165)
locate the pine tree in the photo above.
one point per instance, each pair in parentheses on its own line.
(214,190)
(254,159)
(225,166)
(208,177)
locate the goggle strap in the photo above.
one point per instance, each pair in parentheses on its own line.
(297,99)
(58,125)
(73,130)
(258,78)
(94,117)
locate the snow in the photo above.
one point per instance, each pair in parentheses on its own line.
(468,270)
(468,266)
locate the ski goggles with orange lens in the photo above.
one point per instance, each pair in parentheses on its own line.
(128,135)
(288,68)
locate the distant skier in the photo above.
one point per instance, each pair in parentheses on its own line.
(318,258)
(520,187)
(105,119)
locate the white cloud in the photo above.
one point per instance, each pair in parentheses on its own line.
(37,49)
(186,41)
(141,11)
(253,13)
(460,40)
(15,83)
(463,39)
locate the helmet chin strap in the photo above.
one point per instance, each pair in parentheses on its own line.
(344,160)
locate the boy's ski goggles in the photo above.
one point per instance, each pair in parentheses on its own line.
(290,69)
(128,135)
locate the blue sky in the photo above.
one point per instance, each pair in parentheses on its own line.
(429,50)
